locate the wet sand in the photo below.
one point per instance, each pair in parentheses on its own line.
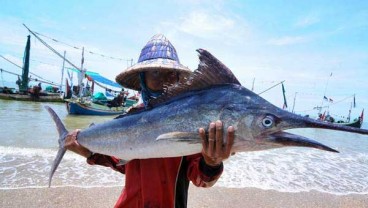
(198,198)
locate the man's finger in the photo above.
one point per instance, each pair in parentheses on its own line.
(74,133)
(219,137)
(211,139)
(202,134)
(230,140)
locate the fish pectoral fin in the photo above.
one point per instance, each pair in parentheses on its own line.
(180,137)
(122,162)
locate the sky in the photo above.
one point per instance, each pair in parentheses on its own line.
(318,48)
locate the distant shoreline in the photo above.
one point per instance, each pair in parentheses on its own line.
(198,198)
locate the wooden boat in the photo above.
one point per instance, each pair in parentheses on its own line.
(11,94)
(80,107)
(25,93)
(87,105)
(54,97)
(357,122)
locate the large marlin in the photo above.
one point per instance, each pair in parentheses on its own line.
(170,127)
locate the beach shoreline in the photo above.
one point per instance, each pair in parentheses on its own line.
(198,198)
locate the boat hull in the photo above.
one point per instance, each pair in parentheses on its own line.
(357,123)
(41,98)
(77,108)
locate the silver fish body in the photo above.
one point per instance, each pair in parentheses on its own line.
(170,129)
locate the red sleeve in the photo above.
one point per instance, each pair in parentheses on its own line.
(107,161)
(201,174)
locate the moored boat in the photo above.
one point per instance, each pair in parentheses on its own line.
(47,97)
(25,92)
(98,104)
(81,107)
(357,122)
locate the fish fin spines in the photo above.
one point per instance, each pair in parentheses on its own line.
(213,70)
(210,72)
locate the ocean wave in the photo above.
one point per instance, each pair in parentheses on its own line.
(285,170)
(298,170)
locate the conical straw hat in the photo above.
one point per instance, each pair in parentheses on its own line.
(157,54)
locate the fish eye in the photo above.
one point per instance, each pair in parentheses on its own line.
(267,121)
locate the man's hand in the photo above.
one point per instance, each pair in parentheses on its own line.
(72,144)
(214,148)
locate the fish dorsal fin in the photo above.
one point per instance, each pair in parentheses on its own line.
(210,72)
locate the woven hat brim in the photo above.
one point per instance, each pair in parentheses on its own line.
(130,77)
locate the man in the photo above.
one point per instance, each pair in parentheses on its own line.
(162,182)
(117,101)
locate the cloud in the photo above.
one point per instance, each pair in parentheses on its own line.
(211,25)
(205,24)
(308,20)
(287,40)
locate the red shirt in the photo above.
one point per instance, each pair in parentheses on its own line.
(161,182)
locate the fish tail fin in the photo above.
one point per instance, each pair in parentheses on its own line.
(62,135)
(56,163)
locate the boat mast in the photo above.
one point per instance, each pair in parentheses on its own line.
(324,94)
(81,75)
(62,73)
(129,62)
(283,93)
(294,102)
(348,118)
(25,72)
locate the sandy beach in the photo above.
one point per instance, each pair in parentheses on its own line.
(198,198)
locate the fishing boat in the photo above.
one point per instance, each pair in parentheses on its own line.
(83,107)
(89,105)
(357,122)
(12,94)
(326,116)
(26,93)
(76,107)
(78,98)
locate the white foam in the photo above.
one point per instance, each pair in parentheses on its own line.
(286,170)
(297,170)
(27,167)
(34,152)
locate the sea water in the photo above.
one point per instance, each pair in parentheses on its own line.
(28,145)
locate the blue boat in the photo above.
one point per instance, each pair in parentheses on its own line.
(80,108)
(87,105)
